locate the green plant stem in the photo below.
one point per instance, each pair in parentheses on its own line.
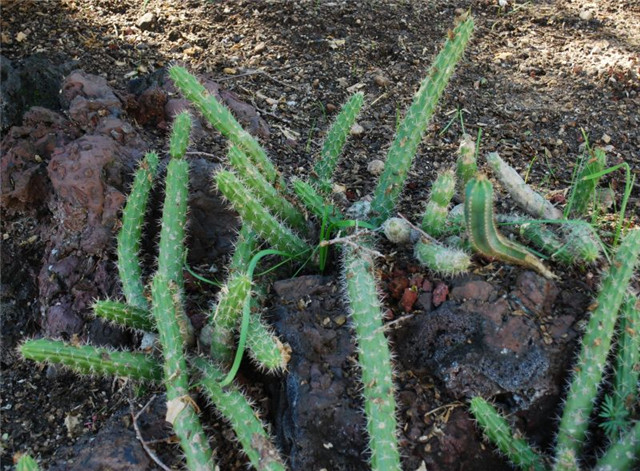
(124,315)
(623,453)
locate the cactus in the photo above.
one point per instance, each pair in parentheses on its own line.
(483,235)
(373,356)
(26,463)
(334,142)
(314,202)
(581,240)
(498,431)
(131,232)
(623,453)
(87,359)
(584,191)
(548,242)
(124,315)
(595,347)
(466,164)
(523,194)
(236,409)
(265,348)
(269,196)
(435,214)
(222,119)
(441,259)
(253,212)
(179,140)
(413,126)
(397,230)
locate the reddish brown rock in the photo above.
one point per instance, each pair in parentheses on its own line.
(440,293)
(409,298)
(472,290)
(396,286)
(89,99)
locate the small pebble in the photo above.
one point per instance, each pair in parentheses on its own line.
(606,138)
(586,15)
(381,81)
(375,167)
(260,47)
(356,130)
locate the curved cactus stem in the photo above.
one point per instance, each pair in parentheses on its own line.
(262,221)
(222,119)
(441,259)
(435,214)
(623,453)
(277,204)
(548,242)
(595,346)
(483,235)
(265,348)
(27,463)
(131,232)
(236,409)
(413,126)
(90,360)
(314,202)
(124,314)
(530,201)
(334,142)
(373,356)
(466,164)
(500,434)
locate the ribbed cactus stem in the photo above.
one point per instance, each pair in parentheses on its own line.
(179,140)
(277,204)
(482,232)
(581,240)
(237,410)
(245,247)
(222,119)
(414,125)
(530,201)
(181,410)
(441,259)
(87,359)
(397,230)
(124,314)
(334,142)
(466,164)
(622,455)
(373,356)
(314,202)
(584,191)
(131,232)
(500,434)
(27,463)
(595,346)
(455,224)
(435,214)
(627,368)
(265,348)
(254,213)
(548,242)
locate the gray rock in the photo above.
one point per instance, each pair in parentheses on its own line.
(147,22)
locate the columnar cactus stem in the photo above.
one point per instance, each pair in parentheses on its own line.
(595,346)
(253,212)
(413,126)
(584,191)
(623,453)
(26,463)
(435,214)
(581,240)
(274,201)
(236,409)
(334,142)
(374,358)
(179,140)
(483,235)
(530,201)
(547,241)
(265,348)
(131,232)
(498,431)
(245,248)
(627,369)
(441,259)
(466,164)
(314,202)
(90,360)
(222,119)
(226,317)
(124,314)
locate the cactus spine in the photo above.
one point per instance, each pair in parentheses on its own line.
(483,235)
(334,142)
(131,232)
(235,407)
(374,358)
(87,359)
(498,431)
(466,164)
(581,240)
(595,347)
(584,191)
(124,314)
(253,212)
(623,453)
(413,126)
(440,258)
(26,463)
(229,309)
(530,201)
(435,214)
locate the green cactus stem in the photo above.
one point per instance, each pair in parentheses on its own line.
(623,453)
(334,142)
(131,232)
(584,191)
(179,140)
(435,214)
(500,434)
(314,202)
(414,125)
(277,204)
(454,224)
(181,409)
(124,314)
(245,248)
(547,242)
(265,348)
(397,230)
(441,259)
(373,356)
(252,212)
(222,119)
(90,360)
(595,347)
(482,232)
(237,410)
(581,240)
(466,164)
(530,201)
(27,463)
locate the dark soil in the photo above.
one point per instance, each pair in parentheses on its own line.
(537,78)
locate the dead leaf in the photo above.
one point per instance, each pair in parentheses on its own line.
(174,407)
(21,37)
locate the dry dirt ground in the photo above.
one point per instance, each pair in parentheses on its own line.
(537,77)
